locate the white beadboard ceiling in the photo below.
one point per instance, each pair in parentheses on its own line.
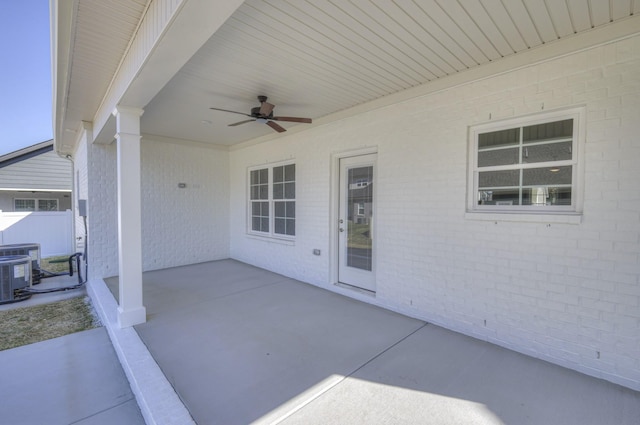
(314,58)
(100,38)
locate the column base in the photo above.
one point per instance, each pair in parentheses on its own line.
(131,317)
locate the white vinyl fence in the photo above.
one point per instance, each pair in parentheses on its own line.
(52,230)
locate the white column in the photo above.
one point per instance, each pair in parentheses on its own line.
(131,311)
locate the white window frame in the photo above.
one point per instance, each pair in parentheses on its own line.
(271,202)
(48,200)
(577,180)
(36,202)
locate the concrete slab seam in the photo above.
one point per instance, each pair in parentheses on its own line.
(330,385)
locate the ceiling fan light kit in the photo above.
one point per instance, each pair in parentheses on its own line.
(263,114)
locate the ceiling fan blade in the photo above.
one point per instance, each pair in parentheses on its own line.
(275,126)
(233,112)
(293,119)
(238,123)
(266,108)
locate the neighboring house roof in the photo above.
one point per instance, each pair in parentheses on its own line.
(35,167)
(26,153)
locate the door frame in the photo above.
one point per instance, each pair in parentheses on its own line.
(334,212)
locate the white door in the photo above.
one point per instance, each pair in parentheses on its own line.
(356,250)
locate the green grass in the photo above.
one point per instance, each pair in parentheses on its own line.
(359,235)
(26,325)
(57,264)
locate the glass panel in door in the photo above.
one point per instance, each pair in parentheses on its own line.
(356,222)
(360,218)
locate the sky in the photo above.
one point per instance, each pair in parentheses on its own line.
(25,74)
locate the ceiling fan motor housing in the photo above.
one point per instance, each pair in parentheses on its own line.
(255,112)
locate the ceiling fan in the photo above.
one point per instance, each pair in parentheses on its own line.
(264,115)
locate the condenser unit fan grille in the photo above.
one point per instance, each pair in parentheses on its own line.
(15,274)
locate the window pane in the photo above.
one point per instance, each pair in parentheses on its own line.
(255,177)
(264,191)
(546,176)
(278,190)
(278,174)
(47,205)
(264,209)
(264,176)
(544,196)
(560,195)
(509,196)
(548,152)
(255,224)
(25,205)
(498,157)
(290,173)
(255,208)
(546,131)
(285,226)
(499,178)
(285,209)
(290,209)
(279,226)
(264,225)
(279,209)
(290,190)
(510,136)
(291,227)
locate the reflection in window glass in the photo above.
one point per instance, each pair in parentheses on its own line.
(532,165)
(550,130)
(546,176)
(499,138)
(499,178)
(498,157)
(547,152)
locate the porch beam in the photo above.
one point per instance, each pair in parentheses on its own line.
(131,311)
(170,33)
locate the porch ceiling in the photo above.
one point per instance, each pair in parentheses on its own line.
(314,59)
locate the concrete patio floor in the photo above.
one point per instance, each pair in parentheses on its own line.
(243,345)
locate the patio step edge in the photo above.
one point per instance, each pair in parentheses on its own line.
(158,401)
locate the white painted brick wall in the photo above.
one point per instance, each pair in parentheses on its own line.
(102,217)
(189,225)
(179,226)
(567,293)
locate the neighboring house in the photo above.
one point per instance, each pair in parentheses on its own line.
(35,199)
(502,141)
(35,179)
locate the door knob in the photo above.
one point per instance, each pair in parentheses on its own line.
(341,229)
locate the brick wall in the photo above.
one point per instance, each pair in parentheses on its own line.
(102,219)
(184,225)
(567,293)
(179,226)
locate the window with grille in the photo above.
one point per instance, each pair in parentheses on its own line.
(24,204)
(35,205)
(272,201)
(526,165)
